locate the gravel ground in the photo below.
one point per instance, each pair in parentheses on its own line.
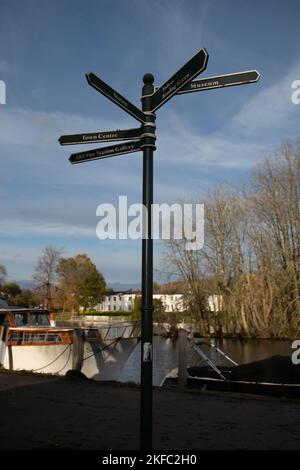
(53,413)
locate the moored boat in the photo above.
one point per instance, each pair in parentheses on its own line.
(274,376)
(29,340)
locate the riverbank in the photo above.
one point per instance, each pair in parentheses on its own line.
(55,413)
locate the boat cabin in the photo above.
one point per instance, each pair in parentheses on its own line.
(13,317)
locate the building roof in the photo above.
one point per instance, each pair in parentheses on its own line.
(121,292)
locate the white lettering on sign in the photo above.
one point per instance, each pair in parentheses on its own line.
(100,136)
(172,86)
(205,84)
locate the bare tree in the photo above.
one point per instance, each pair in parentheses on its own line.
(189,266)
(45,272)
(251,253)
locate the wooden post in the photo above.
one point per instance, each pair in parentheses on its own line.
(78,340)
(182,358)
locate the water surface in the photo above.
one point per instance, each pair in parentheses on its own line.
(165,353)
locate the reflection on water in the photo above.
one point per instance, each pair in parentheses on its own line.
(165,355)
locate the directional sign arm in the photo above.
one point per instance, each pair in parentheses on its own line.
(232,79)
(101,136)
(115,97)
(184,75)
(105,152)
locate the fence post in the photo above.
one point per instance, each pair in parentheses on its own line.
(182,358)
(78,341)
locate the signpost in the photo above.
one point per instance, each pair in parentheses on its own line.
(115,97)
(232,79)
(143,139)
(184,75)
(106,136)
(105,152)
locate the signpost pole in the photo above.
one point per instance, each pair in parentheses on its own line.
(143,138)
(148,146)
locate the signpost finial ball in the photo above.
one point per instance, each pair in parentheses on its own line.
(148,78)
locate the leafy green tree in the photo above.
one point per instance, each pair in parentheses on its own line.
(92,289)
(80,281)
(137,304)
(26,298)
(158,309)
(11,290)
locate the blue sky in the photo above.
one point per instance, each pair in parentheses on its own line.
(46,47)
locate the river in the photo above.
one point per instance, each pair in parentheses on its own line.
(165,355)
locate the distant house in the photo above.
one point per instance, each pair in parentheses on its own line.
(124,301)
(117,301)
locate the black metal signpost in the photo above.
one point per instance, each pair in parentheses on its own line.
(240,78)
(94,137)
(143,139)
(105,152)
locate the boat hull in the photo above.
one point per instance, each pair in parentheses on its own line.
(276,376)
(101,360)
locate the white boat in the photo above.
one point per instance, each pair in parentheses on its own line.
(29,340)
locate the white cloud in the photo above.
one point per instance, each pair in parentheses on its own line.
(271,109)
(19,228)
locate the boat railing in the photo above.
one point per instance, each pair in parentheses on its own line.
(117,330)
(206,356)
(122,330)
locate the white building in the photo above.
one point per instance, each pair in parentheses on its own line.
(117,301)
(171,302)
(124,301)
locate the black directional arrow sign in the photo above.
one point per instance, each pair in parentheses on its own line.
(239,78)
(107,136)
(189,71)
(105,152)
(115,97)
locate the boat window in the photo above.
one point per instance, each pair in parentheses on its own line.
(15,337)
(22,337)
(51,338)
(41,319)
(4,320)
(41,338)
(20,319)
